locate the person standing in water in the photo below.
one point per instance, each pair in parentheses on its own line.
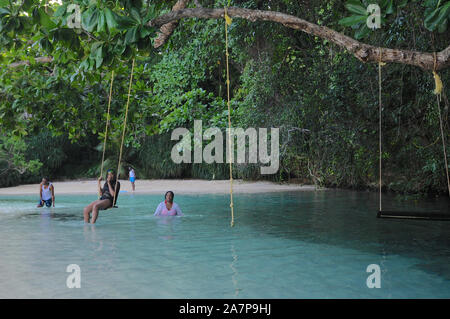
(132,175)
(46,193)
(168,207)
(106,193)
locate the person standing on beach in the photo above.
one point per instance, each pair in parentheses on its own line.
(132,175)
(46,193)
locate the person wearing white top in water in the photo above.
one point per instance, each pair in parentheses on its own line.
(168,207)
(46,193)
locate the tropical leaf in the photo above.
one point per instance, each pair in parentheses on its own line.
(437,17)
(431,3)
(403,3)
(4,12)
(390,7)
(61,10)
(46,45)
(125,23)
(89,19)
(101,25)
(135,15)
(443,26)
(110,18)
(352,20)
(27,4)
(43,18)
(131,35)
(146,31)
(356,7)
(99,57)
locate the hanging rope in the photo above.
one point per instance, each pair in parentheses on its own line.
(380,64)
(123,132)
(107,124)
(438,92)
(227,23)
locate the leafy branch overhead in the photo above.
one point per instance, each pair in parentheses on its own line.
(109,32)
(436,15)
(362,51)
(104,35)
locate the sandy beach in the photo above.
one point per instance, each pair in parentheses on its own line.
(191,186)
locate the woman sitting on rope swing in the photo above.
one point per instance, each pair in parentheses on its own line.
(108,195)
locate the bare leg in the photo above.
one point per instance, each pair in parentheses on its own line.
(100,204)
(87,210)
(132,185)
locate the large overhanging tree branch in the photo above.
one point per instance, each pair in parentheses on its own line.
(362,51)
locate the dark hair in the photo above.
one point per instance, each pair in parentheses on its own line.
(114,173)
(173,195)
(46,178)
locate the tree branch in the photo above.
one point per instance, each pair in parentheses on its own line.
(44,59)
(166,29)
(362,51)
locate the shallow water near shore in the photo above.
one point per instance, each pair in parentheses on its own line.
(284,245)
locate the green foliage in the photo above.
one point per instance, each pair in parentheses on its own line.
(155,161)
(12,159)
(48,150)
(323,100)
(436,14)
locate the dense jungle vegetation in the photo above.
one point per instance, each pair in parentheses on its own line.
(323,99)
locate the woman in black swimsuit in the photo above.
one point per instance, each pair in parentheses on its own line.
(106,197)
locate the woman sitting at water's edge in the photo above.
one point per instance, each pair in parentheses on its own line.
(168,207)
(106,193)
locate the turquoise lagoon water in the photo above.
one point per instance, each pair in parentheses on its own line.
(284,245)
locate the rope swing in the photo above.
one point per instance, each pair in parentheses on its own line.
(227,23)
(413,215)
(438,92)
(123,131)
